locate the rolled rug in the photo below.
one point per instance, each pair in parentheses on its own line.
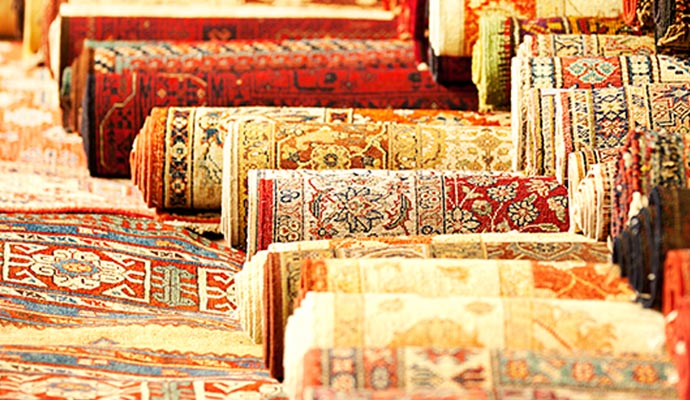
(579,163)
(294,205)
(399,320)
(649,159)
(270,280)
(457,371)
(157,153)
(676,279)
(328,72)
(670,209)
(581,118)
(672,19)
(654,231)
(592,201)
(586,73)
(210,20)
(321,146)
(568,45)
(499,38)
(467,277)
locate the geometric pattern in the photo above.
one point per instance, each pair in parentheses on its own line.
(136,261)
(483,372)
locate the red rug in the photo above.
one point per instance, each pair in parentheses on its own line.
(295,205)
(130,79)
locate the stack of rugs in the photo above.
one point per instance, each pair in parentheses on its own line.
(412,199)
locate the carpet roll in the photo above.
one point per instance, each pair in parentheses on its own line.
(651,233)
(137,76)
(268,284)
(600,74)
(592,202)
(579,163)
(570,120)
(499,38)
(468,277)
(398,320)
(672,20)
(475,373)
(269,280)
(321,146)
(649,158)
(582,45)
(200,22)
(294,205)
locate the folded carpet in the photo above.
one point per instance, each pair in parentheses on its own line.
(499,38)
(122,82)
(672,30)
(475,373)
(582,73)
(326,320)
(294,205)
(579,164)
(337,146)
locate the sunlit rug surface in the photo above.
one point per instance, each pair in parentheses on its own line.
(103,306)
(129,300)
(43,168)
(398,320)
(269,283)
(473,373)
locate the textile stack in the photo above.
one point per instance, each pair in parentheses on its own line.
(345,199)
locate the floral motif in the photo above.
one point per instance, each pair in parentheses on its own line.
(502,193)
(517,369)
(331,157)
(523,212)
(342,203)
(464,221)
(358,209)
(583,371)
